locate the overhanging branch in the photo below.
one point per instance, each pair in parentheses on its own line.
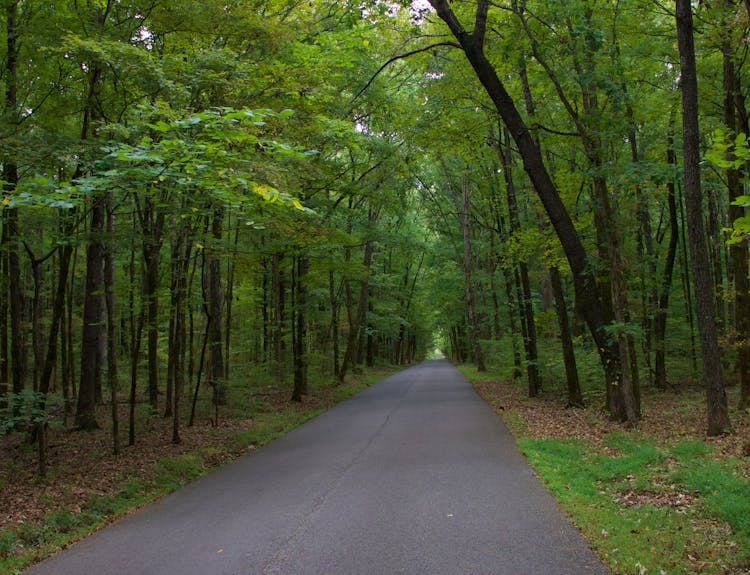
(401,57)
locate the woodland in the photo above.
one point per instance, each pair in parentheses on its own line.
(201,196)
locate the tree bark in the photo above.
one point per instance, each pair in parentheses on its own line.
(584,281)
(575,397)
(300,344)
(109,286)
(357,322)
(716,399)
(278,298)
(334,321)
(93,330)
(151,219)
(473,325)
(739,251)
(660,314)
(525,299)
(10,234)
(215,308)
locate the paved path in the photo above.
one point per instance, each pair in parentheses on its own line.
(415,475)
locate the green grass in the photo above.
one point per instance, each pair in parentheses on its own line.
(646,505)
(721,485)
(647,538)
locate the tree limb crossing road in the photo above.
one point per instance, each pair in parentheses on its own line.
(415,475)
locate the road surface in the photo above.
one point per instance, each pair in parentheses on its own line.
(415,475)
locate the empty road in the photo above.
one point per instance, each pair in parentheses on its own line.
(415,475)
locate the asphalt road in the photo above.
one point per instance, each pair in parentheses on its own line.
(415,475)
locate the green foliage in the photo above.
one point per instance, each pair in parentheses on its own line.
(728,150)
(732,151)
(19,410)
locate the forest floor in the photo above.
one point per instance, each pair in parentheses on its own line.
(667,416)
(678,513)
(87,486)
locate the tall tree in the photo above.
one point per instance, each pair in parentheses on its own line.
(472,44)
(717,409)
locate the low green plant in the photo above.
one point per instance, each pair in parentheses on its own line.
(593,488)
(270,426)
(721,485)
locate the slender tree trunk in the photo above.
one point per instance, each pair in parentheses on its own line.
(109,286)
(660,316)
(494,289)
(37,333)
(136,331)
(58,311)
(152,222)
(68,357)
(215,309)
(649,286)
(575,397)
(716,399)
(334,321)
(584,281)
(180,253)
(201,362)
(300,343)
(10,234)
(277,291)
(525,299)
(473,325)
(715,248)
(229,298)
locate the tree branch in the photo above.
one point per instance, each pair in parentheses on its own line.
(401,57)
(480,23)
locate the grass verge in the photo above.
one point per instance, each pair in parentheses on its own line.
(648,502)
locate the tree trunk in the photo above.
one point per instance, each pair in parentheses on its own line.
(575,397)
(10,234)
(152,223)
(93,330)
(715,247)
(180,264)
(739,251)
(231,265)
(660,315)
(334,321)
(716,399)
(136,331)
(584,281)
(357,323)
(277,293)
(473,325)
(300,343)
(215,309)
(109,286)
(525,299)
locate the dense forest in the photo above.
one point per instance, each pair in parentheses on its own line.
(201,194)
